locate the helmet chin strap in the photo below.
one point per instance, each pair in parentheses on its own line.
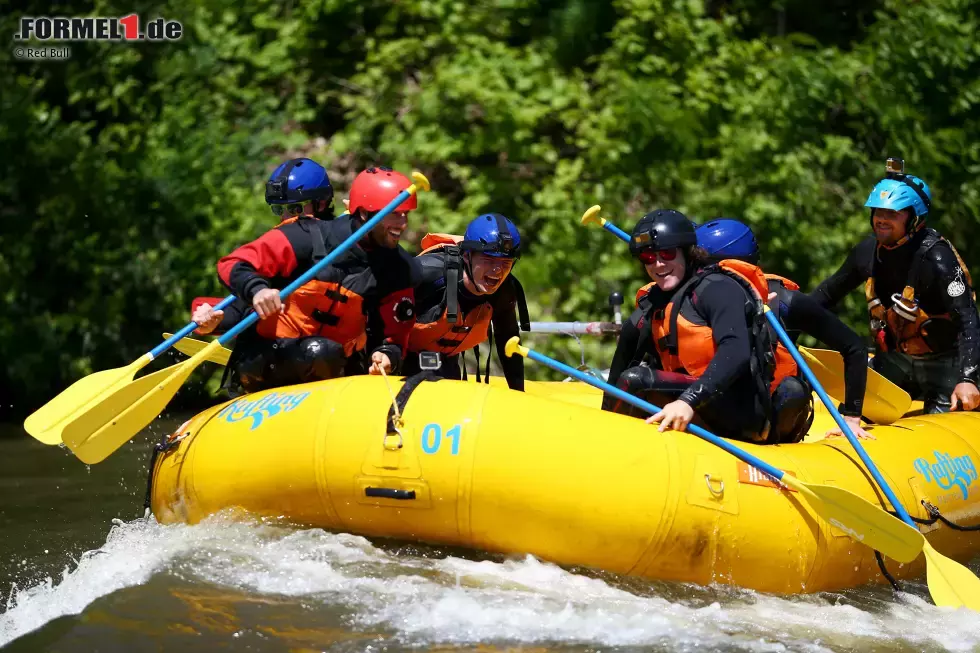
(468,269)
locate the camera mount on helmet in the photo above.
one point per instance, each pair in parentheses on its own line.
(895,169)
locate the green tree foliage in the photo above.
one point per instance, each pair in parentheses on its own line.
(130,169)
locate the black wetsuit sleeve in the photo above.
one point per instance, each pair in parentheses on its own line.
(505,327)
(855,270)
(234,313)
(723,306)
(634,344)
(942,278)
(629,338)
(808,316)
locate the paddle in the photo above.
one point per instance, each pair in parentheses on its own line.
(884,402)
(102,428)
(48,421)
(861,520)
(592,217)
(191,346)
(950,583)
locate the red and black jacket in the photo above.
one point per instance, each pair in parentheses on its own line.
(365,298)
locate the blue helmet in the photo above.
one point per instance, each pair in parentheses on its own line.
(900,193)
(298,181)
(494,235)
(727,238)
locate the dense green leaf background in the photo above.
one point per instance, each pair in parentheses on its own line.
(128,170)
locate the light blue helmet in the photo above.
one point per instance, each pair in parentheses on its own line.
(901,193)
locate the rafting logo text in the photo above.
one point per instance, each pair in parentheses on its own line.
(948,471)
(268,406)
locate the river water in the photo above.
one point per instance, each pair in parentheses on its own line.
(82,570)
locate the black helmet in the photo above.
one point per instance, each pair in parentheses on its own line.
(662,229)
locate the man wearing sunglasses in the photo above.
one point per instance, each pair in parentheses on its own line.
(920,297)
(468,293)
(363,302)
(698,344)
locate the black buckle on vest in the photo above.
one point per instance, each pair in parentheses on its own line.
(335,295)
(326,318)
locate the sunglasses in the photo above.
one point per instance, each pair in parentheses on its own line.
(650,256)
(291,209)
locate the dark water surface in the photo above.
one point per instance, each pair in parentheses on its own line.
(81,570)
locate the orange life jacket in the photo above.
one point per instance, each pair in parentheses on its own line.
(319,308)
(686,346)
(788,283)
(643,291)
(437,242)
(443,336)
(904,325)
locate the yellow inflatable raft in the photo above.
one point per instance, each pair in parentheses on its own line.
(544,472)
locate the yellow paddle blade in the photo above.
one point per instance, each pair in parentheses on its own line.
(884,402)
(591,216)
(863,521)
(190,346)
(46,423)
(106,426)
(950,583)
(97,432)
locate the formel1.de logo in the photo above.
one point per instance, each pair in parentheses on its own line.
(94,28)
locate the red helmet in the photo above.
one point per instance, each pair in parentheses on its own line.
(375,187)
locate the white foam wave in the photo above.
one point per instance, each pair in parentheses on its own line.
(451,600)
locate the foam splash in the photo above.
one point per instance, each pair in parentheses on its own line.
(451,600)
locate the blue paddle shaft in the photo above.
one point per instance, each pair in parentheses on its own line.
(616,231)
(650,408)
(788,343)
(253,317)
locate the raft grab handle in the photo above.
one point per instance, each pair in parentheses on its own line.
(708,478)
(389,493)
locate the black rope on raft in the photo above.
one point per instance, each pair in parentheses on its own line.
(165,445)
(936,515)
(884,572)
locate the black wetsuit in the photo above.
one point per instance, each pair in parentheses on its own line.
(931,377)
(726,397)
(800,313)
(430,302)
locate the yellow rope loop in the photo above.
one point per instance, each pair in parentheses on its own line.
(398,422)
